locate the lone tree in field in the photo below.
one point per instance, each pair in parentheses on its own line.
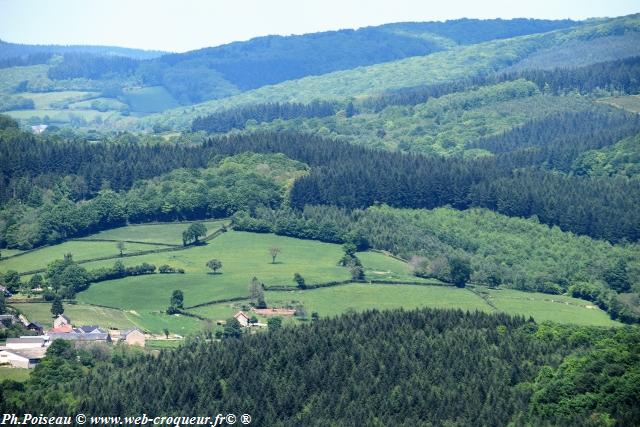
(460,271)
(193,233)
(121,247)
(214,264)
(299,281)
(176,303)
(57,308)
(274,252)
(166,333)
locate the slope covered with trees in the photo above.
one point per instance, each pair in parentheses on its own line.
(440,67)
(357,369)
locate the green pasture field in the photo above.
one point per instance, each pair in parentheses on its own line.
(245,255)
(162,344)
(378,266)
(11,77)
(44,100)
(79,249)
(545,307)
(154,233)
(14,374)
(9,252)
(336,300)
(109,103)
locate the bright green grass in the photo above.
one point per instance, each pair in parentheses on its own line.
(80,250)
(45,100)
(105,103)
(154,233)
(340,299)
(336,300)
(79,314)
(156,322)
(152,292)
(245,255)
(379,266)
(150,99)
(15,374)
(545,307)
(9,252)
(162,344)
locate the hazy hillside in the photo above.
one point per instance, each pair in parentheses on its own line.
(117,83)
(449,65)
(13,50)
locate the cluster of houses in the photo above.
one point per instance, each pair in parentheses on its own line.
(27,351)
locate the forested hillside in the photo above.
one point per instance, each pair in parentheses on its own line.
(446,66)
(414,367)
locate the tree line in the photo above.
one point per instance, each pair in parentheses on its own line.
(349,176)
(237,118)
(357,369)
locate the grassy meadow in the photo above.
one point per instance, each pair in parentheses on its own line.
(545,307)
(170,234)
(80,250)
(141,301)
(245,255)
(14,374)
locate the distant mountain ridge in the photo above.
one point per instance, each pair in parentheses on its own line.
(11,50)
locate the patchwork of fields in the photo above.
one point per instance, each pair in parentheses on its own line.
(141,301)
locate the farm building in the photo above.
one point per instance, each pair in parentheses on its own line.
(242,319)
(130,337)
(134,337)
(61,320)
(23,343)
(22,358)
(61,330)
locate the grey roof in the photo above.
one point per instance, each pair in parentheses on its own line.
(7,316)
(90,329)
(75,336)
(29,340)
(31,354)
(128,331)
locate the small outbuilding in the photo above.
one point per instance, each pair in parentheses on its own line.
(133,337)
(242,319)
